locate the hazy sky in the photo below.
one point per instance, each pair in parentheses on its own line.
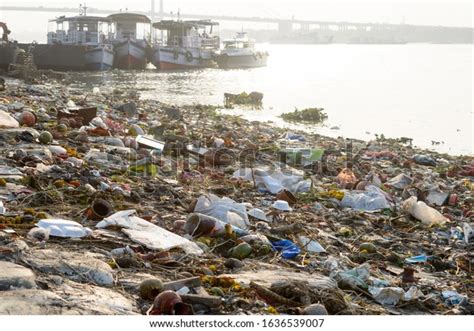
(27,26)
(427,12)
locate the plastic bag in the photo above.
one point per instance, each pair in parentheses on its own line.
(276,181)
(453,298)
(6,121)
(356,277)
(2,208)
(311,245)
(389,296)
(371,199)
(64,228)
(424,160)
(400,182)
(225,209)
(148,234)
(288,249)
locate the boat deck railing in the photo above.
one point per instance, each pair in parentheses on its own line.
(194,42)
(75,37)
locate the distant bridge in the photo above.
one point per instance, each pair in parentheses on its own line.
(284,25)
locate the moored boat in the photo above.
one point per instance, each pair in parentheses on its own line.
(240,52)
(185,44)
(8,49)
(98,57)
(131,40)
(76,43)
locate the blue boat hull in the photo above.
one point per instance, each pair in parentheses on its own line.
(99,58)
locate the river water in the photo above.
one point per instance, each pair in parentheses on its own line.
(420,91)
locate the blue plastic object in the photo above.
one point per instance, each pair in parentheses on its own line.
(453,298)
(293,136)
(417,259)
(288,249)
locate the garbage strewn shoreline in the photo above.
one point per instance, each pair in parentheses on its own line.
(115,205)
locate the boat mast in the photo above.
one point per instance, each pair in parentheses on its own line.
(83,9)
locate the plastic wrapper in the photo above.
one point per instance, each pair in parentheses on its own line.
(371,199)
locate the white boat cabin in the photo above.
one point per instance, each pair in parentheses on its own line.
(241,41)
(79,30)
(131,26)
(189,34)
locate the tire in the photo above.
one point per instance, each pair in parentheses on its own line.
(189,56)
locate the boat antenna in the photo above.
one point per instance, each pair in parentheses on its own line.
(179,13)
(83,9)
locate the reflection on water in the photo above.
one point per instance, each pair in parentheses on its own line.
(418,91)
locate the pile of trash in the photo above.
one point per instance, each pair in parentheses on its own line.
(308,115)
(253,99)
(110,204)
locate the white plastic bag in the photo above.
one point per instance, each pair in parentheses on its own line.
(389,296)
(224,209)
(148,234)
(275,181)
(371,199)
(6,121)
(64,228)
(2,208)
